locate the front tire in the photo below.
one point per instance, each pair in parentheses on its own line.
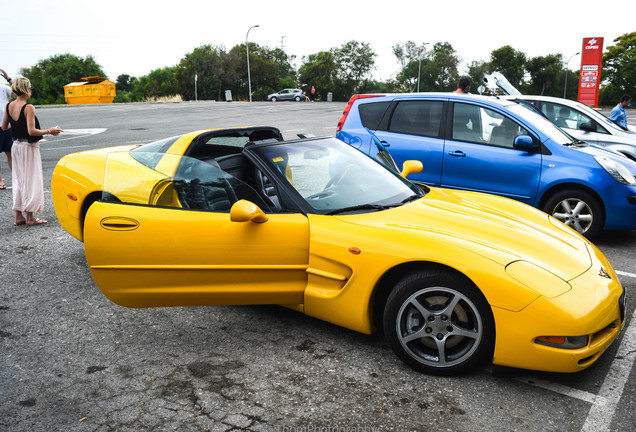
(439,323)
(274,99)
(577,209)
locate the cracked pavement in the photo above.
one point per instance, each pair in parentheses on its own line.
(70,360)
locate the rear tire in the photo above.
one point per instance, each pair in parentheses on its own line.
(439,323)
(577,209)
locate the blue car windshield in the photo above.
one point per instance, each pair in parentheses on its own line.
(334,177)
(546,126)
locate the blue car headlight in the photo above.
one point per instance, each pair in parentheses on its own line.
(616,170)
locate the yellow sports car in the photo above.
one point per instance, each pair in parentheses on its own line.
(240,216)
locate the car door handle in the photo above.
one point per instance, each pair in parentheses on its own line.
(457,153)
(385,144)
(119,224)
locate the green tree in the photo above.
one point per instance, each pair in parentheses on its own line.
(476,72)
(439,69)
(158,83)
(270,70)
(208,64)
(510,62)
(409,55)
(354,61)
(619,69)
(318,70)
(546,74)
(49,76)
(124,83)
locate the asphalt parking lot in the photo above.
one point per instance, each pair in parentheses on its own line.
(70,360)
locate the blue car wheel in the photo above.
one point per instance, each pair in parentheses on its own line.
(577,209)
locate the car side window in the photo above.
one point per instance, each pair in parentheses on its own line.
(417,118)
(566,117)
(206,186)
(481,125)
(371,113)
(176,181)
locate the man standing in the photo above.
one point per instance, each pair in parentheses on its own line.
(6,139)
(463,86)
(618,115)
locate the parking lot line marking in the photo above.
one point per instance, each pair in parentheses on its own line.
(559,388)
(602,410)
(64,148)
(626,274)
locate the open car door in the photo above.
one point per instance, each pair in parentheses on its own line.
(164,237)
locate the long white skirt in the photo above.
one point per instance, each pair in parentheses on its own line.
(28,183)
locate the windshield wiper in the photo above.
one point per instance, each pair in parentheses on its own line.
(411,198)
(363,207)
(576,143)
(374,206)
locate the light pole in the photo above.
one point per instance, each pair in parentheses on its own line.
(247,49)
(567,66)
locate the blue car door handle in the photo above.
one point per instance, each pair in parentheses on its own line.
(385,144)
(457,153)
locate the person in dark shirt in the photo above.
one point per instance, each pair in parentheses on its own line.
(27,178)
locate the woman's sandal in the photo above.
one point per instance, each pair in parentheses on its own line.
(37,222)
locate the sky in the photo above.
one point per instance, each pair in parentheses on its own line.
(134,37)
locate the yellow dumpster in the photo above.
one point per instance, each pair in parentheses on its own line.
(92,90)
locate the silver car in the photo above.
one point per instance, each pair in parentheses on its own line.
(287,94)
(584,123)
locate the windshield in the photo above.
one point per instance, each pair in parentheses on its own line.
(334,177)
(174,181)
(599,116)
(546,126)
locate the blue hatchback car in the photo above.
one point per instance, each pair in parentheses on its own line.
(491,145)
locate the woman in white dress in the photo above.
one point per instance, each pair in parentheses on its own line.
(27,181)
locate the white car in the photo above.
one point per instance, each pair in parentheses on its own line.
(584,123)
(287,94)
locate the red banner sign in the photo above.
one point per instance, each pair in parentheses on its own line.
(590,76)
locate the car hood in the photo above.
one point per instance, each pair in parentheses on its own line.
(500,229)
(596,150)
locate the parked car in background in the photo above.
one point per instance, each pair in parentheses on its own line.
(239,216)
(287,95)
(498,146)
(584,123)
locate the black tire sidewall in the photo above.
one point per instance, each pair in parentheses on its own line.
(413,283)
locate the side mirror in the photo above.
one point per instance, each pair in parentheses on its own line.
(587,127)
(525,143)
(411,167)
(246,211)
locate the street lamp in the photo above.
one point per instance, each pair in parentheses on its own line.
(247,49)
(567,66)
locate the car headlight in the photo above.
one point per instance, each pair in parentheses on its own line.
(563,342)
(616,170)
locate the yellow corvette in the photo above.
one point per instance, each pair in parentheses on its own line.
(239,216)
